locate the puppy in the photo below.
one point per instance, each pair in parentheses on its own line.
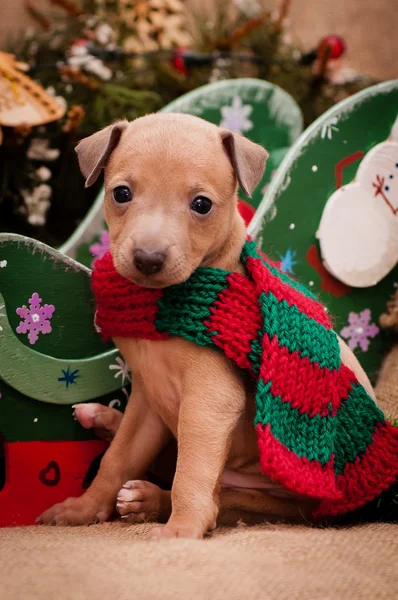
(159,172)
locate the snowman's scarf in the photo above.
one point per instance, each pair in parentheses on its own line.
(319,432)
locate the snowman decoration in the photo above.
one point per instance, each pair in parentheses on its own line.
(358,231)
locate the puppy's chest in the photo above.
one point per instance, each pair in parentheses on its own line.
(158,366)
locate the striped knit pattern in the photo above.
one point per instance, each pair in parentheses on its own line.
(319,432)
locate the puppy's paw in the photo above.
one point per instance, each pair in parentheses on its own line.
(104,420)
(75,511)
(140,501)
(177,530)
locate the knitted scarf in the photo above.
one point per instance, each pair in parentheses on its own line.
(319,432)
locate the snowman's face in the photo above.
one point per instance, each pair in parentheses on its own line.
(358,232)
(379,172)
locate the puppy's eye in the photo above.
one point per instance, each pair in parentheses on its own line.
(201,205)
(122,194)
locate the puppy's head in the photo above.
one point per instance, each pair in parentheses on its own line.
(170,192)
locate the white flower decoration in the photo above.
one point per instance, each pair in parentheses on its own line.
(235,117)
(37,203)
(39,150)
(104,34)
(43,173)
(80,58)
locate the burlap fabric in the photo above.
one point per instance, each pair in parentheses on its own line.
(112,561)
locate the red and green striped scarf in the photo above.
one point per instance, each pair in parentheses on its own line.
(319,432)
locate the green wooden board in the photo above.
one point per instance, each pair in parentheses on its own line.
(23,419)
(289,215)
(68,364)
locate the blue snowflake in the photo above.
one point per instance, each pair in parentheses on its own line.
(69,376)
(288,261)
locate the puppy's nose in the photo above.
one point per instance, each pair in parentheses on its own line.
(149,263)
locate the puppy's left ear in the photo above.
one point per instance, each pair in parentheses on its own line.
(247,158)
(94,151)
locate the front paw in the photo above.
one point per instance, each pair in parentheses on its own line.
(75,511)
(180,528)
(142,501)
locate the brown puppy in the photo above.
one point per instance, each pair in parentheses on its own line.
(160,171)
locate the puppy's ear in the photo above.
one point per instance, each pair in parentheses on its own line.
(248,159)
(93,152)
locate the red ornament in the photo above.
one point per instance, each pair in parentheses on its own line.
(178,60)
(335,43)
(246,211)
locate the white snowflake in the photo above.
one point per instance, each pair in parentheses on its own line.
(122,369)
(328,128)
(115,403)
(235,117)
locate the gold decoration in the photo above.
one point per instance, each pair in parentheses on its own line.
(74,118)
(22,101)
(75,75)
(155,24)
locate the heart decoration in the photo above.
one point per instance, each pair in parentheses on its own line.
(51,474)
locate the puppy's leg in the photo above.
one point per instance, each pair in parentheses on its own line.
(138,440)
(213,401)
(255,506)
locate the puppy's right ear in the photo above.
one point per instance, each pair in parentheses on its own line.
(93,152)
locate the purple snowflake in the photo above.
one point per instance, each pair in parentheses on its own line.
(359,330)
(101,247)
(35,318)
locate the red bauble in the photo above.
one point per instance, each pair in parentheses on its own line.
(335,43)
(246,211)
(178,61)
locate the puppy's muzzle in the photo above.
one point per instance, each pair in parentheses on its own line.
(148,262)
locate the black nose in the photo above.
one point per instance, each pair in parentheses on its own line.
(149,263)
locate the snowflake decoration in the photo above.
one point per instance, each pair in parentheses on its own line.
(69,377)
(359,330)
(2,314)
(36,318)
(288,261)
(102,246)
(235,117)
(114,403)
(328,128)
(122,369)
